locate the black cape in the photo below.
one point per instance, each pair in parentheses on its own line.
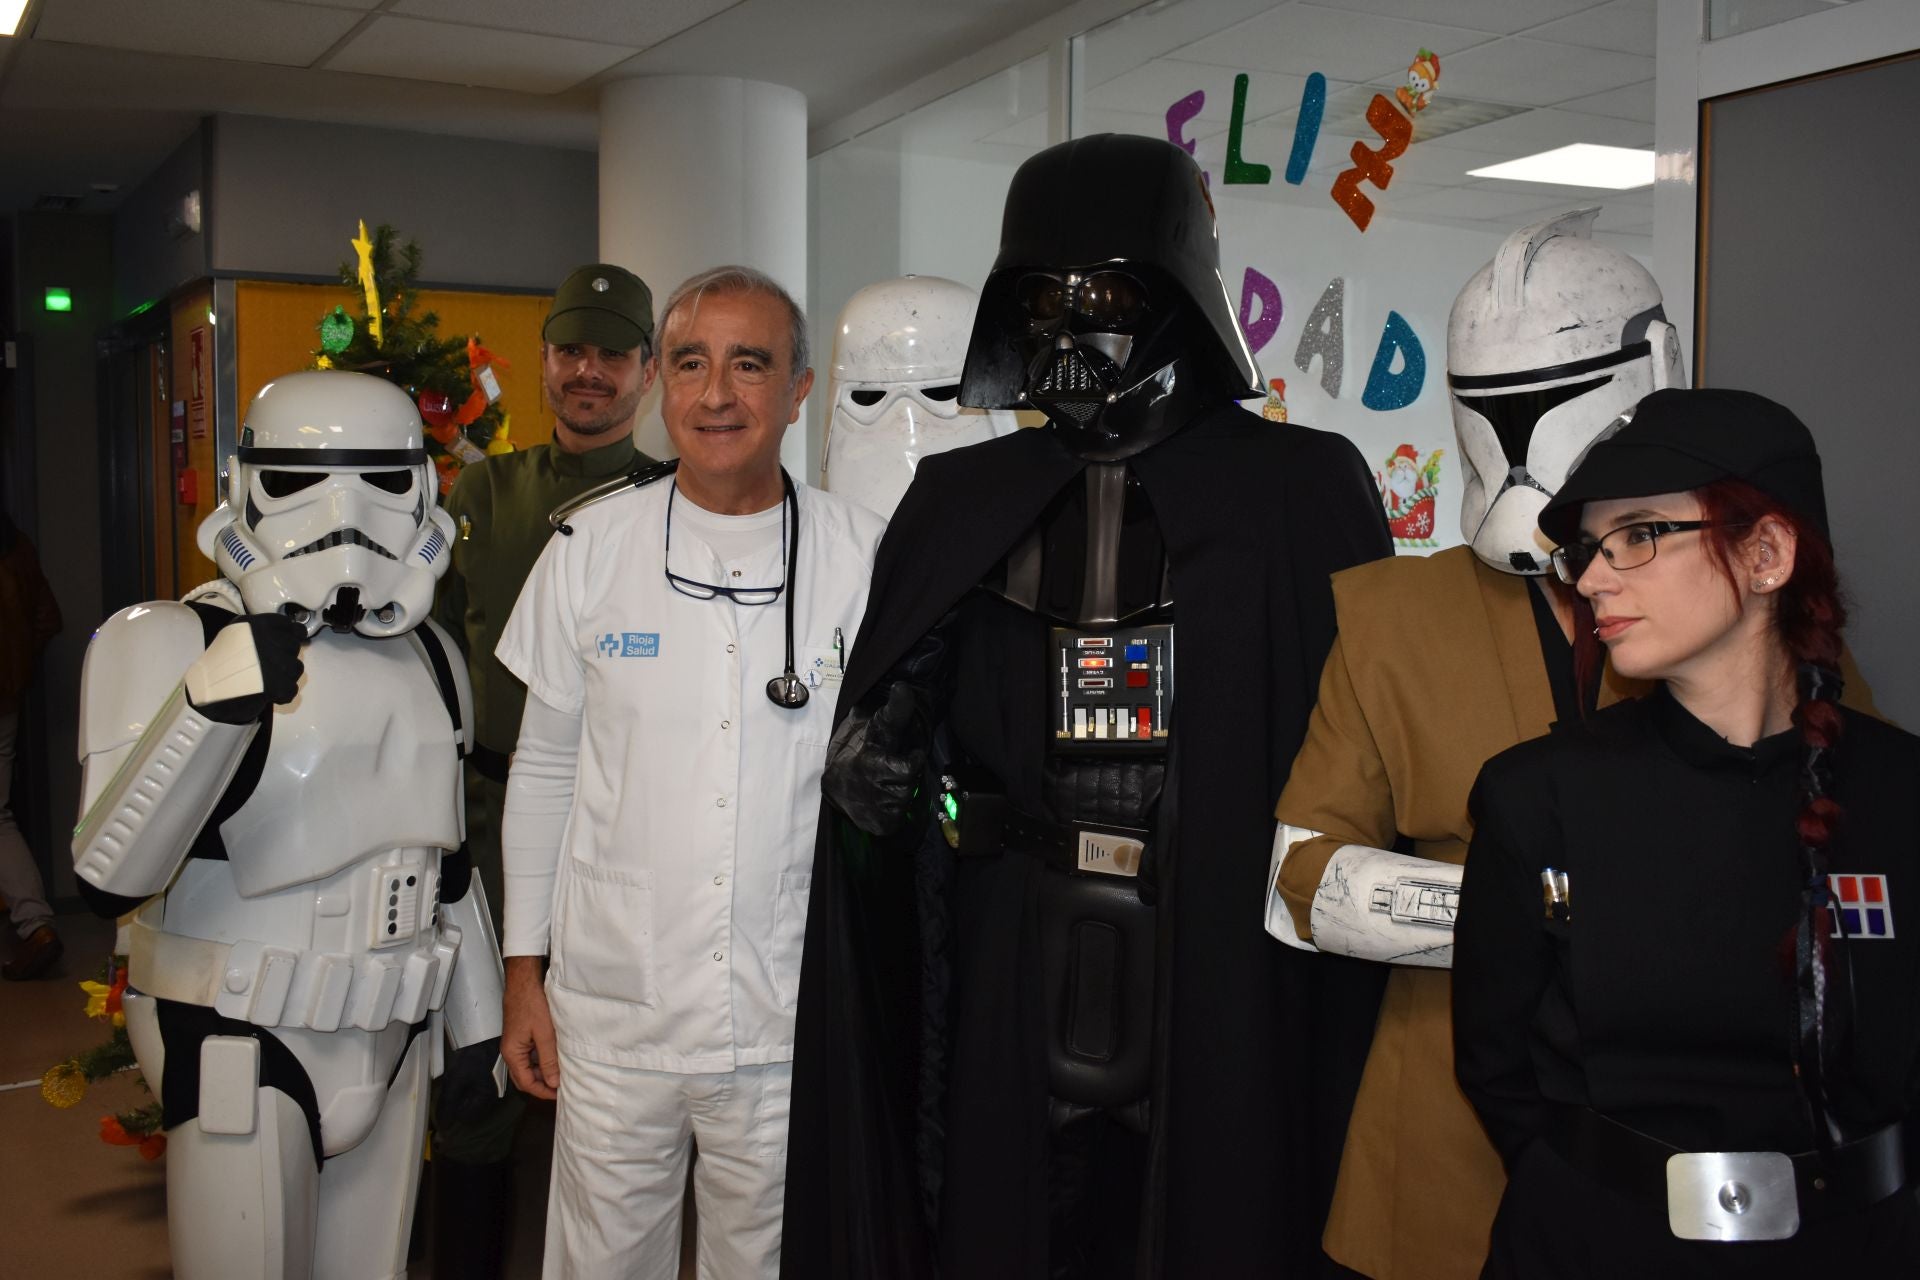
(1260,1045)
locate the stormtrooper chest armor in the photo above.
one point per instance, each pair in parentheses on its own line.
(363,760)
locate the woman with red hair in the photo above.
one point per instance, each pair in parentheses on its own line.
(1681,1006)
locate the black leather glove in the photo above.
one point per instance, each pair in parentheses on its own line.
(876,759)
(467,1088)
(276,645)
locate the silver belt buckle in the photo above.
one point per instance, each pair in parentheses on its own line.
(1732,1196)
(1108,853)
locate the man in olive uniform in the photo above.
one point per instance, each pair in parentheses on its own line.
(596,364)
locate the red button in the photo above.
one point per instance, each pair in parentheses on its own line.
(1136,679)
(1095,664)
(1145,721)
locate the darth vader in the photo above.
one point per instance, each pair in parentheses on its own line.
(1041,1032)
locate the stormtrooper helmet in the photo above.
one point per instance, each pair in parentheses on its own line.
(330,517)
(1105,309)
(895,390)
(1547,345)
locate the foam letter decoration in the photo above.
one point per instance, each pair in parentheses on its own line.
(1326,337)
(1177,116)
(1306,127)
(1385,388)
(1255,287)
(1238,170)
(1371,166)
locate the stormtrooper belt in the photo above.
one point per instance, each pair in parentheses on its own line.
(988,824)
(1732,1196)
(272,986)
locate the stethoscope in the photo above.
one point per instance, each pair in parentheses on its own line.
(787,689)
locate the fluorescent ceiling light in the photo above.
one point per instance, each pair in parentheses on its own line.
(1581,165)
(10,11)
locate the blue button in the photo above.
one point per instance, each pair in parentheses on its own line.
(1136,653)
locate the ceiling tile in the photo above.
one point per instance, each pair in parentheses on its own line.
(412,49)
(1502,16)
(1302,39)
(1547,128)
(1633,102)
(1164,81)
(1158,30)
(639,26)
(1623,26)
(1539,73)
(287,35)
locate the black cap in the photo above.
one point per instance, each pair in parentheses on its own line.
(1679,440)
(601,304)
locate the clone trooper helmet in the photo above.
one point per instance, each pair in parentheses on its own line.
(1547,345)
(896,386)
(330,516)
(1105,309)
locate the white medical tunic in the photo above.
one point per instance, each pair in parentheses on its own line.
(677,903)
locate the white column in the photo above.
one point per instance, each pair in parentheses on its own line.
(697,172)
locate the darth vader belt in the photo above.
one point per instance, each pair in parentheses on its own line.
(980,823)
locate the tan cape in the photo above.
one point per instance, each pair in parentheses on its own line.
(1436,669)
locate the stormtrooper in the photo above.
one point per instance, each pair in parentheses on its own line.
(271,786)
(1086,661)
(897,357)
(1547,344)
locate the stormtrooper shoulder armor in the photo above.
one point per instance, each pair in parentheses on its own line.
(152,767)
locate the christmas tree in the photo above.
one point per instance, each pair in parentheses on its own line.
(450,379)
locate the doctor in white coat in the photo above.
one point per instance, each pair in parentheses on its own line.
(682,640)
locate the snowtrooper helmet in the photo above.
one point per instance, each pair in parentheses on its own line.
(330,517)
(1105,309)
(895,389)
(1547,345)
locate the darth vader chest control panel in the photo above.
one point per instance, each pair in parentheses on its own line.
(1115,688)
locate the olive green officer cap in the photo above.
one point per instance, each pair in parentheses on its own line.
(601,304)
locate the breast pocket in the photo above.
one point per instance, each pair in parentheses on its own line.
(603,933)
(789,934)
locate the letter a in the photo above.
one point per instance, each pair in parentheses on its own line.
(1326,337)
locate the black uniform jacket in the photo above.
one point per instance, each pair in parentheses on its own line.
(1259,1046)
(1666,999)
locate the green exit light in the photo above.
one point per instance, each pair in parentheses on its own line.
(59,300)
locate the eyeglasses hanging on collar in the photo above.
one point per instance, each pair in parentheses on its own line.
(708,590)
(786,689)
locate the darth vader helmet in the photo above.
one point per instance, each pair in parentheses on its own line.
(1105,309)
(897,355)
(331,517)
(1547,345)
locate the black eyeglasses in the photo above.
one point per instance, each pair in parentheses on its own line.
(1112,301)
(1628,547)
(707,590)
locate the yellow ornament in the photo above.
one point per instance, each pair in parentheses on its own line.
(97,993)
(501,443)
(64,1084)
(324,362)
(364,248)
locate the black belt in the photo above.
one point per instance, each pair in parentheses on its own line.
(990,824)
(491,764)
(1851,1177)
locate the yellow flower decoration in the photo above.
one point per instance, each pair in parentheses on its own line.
(64,1084)
(97,993)
(501,442)
(324,362)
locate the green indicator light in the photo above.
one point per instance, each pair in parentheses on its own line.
(142,309)
(952,807)
(59,300)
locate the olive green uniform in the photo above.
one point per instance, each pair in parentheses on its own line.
(500,507)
